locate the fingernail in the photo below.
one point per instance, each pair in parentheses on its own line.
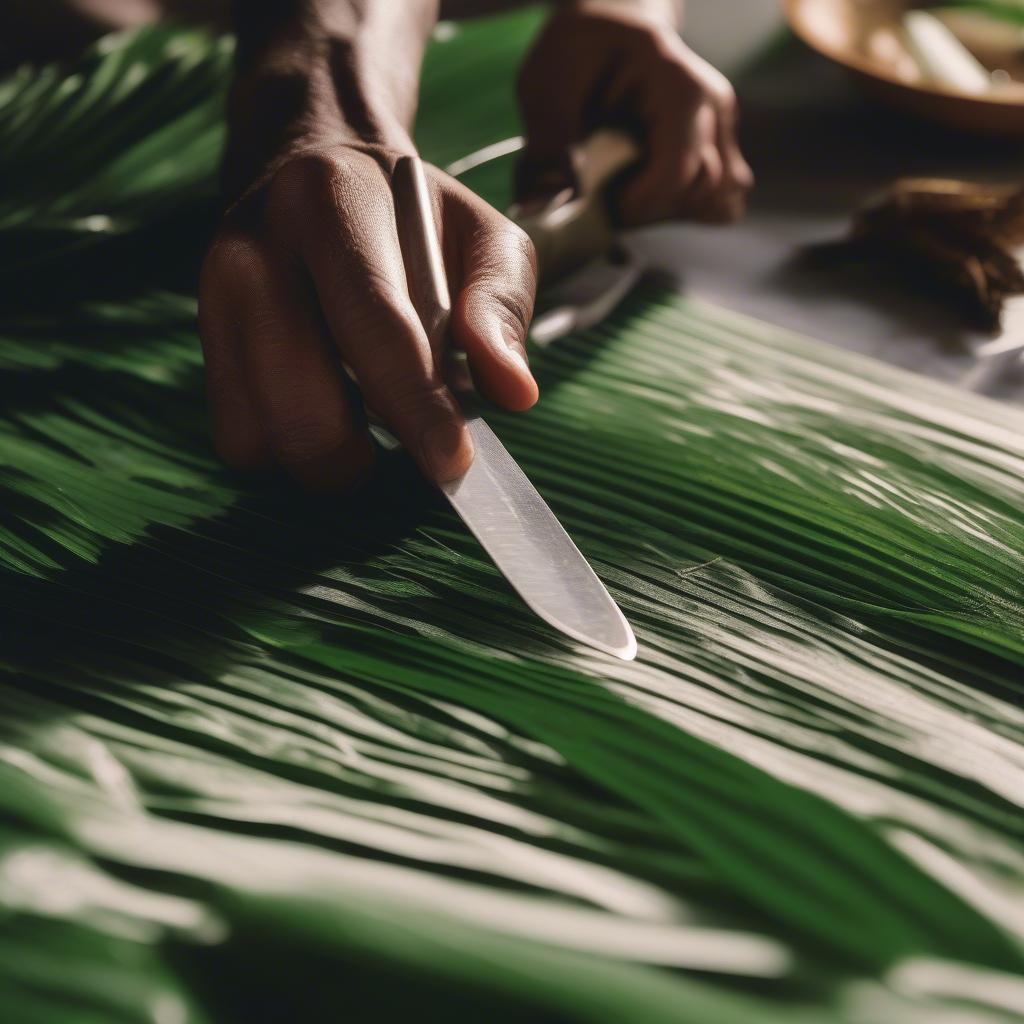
(441,446)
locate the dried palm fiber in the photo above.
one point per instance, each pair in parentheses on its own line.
(266,756)
(959,240)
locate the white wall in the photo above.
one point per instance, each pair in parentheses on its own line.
(726,31)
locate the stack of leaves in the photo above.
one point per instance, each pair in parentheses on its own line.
(268,756)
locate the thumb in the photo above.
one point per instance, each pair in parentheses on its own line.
(494,305)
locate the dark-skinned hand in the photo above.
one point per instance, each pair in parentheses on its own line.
(310,277)
(597,63)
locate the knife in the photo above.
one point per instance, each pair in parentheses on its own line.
(494,498)
(586,268)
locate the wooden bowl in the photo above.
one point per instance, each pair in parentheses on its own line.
(863,36)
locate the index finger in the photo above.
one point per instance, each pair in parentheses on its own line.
(353,254)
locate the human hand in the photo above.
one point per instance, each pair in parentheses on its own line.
(595,64)
(311,277)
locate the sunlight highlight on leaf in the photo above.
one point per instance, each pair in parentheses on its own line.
(261,749)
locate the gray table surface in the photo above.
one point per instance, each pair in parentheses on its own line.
(817,148)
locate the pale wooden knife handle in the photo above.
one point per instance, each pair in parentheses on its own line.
(421,250)
(569,234)
(600,157)
(425,272)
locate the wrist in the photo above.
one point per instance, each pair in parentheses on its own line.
(315,74)
(293,104)
(329,90)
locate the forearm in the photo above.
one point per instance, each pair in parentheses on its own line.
(314,73)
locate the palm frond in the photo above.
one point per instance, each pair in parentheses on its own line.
(262,750)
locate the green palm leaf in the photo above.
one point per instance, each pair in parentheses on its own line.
(261,750)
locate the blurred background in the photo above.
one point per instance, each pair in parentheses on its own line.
(262,750)
(819,146)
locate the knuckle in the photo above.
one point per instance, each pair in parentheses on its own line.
(509,251)
(304,191)
(411,396)
(262,322)
(302,438)
(506,278)
(514,310)
(228,253)
(376,307)
(521,246)
(409,399)
(718,91)
(308,175)
(380,297)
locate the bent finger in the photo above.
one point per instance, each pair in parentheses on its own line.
(296,379)
(238,435)
(355,259)
(675,164)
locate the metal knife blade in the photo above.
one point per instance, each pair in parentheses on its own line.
(528,544)
(494,498)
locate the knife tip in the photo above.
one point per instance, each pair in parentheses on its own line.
(627,651)
(624,646)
